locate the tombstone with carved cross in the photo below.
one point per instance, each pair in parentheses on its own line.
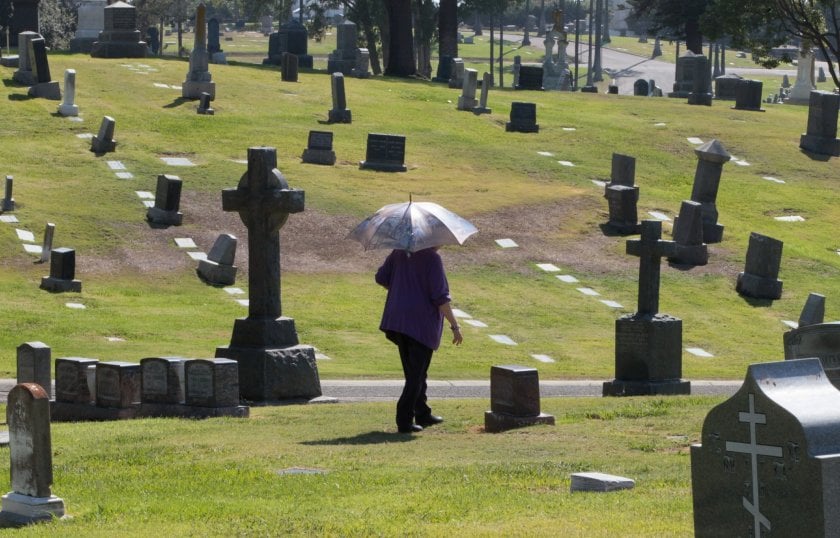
(768,461)
(272,363)
(648,344)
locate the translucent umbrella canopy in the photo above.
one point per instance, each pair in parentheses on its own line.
(412,226)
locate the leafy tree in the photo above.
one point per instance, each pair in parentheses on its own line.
(57,20)
(316,26)
(675,18)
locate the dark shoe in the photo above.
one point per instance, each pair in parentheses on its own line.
(414,428)
(428,420)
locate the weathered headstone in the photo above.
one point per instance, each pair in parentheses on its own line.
(748,95)
(456,75)
(689,247)
(167,202)
(30,446)
(91,21)
(272,364)
(199,79)
(486,82)
(34,365)
(768,456)
(385,153)
(514,399)
(162,380)
(214,45)
(24,74)
(814,310)
(701,92)
(44,86)
(622,203)
(343,58)
(62,272)
(289,67)
(726,87)
(339,112)
(204,107)
(517,66)
(120,38)
(153,39)
(523,118)
(104,141)
(68,107)
(266,24)
(641,88)
(800,93)
(117,384)
(218,268)
(46,247)
(686,70)
(711,157)
(648,345)
(73,380)
(362,67)
(821,74)
(292,38)
(319,148)
(530,78)
(760,278)
(657,49)
(212,382)
(815,338)
(821,137)
(444,69)
(467,101)
(8,201)
(622,171)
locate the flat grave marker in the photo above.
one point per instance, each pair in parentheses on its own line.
(506,243)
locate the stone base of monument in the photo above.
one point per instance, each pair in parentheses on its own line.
(690,254)
(700,99)
(82,44)
(668,387)
(102,146)
(20,509)
(383,166)
(482,110)
(600,482)
(521,127)
(46,90)
(215,273)
(758,287)
(68,110)
(191,89)
(118,49)
(589,89)
(624,228)
(162,216)
(712,232)
(340,116)
(359,73)
(340,66)
(680,94)
(209,111)
(820,145)
(467,103)
(499,422)
(72,412)
(59,285)
(285,375)
(191,411)
(10,61)
(318,156)
(24,78)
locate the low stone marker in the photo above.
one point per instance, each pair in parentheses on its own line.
(689,247)
(768,457)
(814,310)
(760,278)
(514,399)
(641,88)
(530,78)
(622,171)
(523,118)
(600,482)
(104,141)
(486,82)
(162,380)
(748,95)
(289,67)
(821,137)
(385,153)
(44,86)
(726,87)
(319,148)
(117,384)
(622,195)
(701,93)
(62,272)
(456,73)
(68,107)
(204,107)
(467,101)
(167,202)
(8,201)
(339,112)
(74,380)
(212,382)
(30,447)
(218,268)
(34,365)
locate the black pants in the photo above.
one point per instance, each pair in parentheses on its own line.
(415,359)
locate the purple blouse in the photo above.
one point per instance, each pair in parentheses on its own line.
(417,286)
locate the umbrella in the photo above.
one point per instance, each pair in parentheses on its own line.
(412,226)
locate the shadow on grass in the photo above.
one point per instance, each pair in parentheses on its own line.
(20,97)
(752,301)
(815,156)
(368,438)
(178,102)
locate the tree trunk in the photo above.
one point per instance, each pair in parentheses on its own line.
(370,40)
(477,24)
(448,28)
(401,41)
(693,37)
(423,37)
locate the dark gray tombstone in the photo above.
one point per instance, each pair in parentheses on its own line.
(821,137)
(612,89)
(25,18)
(514,399)
(293,38)
(44,87)
(686,70)
(622,203)
(530,78)
(218,268)
(648,345)
(153,39)
(120,38)
(343,58)
(199,80)
(118,384)
(814,310)
(748,95)
(385,153)
(486,83)
(8,201)
(701,93)
(641,88)
(517,65)
(726,87)
(204,107)
(689,247)
(622,171)
(214,45)
(34,365)
(523,118)
(339,113)
(785,81)
(212,382)
(272,364)
(30,450)
(444,69)
(362,67)
(820,341)
(68,107)
(104,141)
(167,202)
(711,157)
(289,67)
(162,380)
(74,380)
(456,73)
(761,271)
(768,457)
(657,49)
(821,74)
(319,148)
(467,101)
(62,272)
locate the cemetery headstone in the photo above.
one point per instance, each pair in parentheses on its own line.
(34,365)
(800,93)
(701,92)
(711,157)
(272,364)
(641,88)
(73,380)
(319,148)
(104,141)
(530,78)
(686,70)
(62,272)
(46,248)
(44,86)
(8,201)
(385,153)
(118,384)
(199,79)
(821,137)
(362,67)
(68,107)
(726,87)
(456,78)
(622,203)
(622,171)
(30,451)
(517,66)
(821,74)
(648,344)
(166,210)
(120,38)
(815,338)
(204,107)
(218,268)
(153,39)
(91,21)
(486,82)
(24,74)
(292,38)
(289,67)
(768,456)
(760,278)
(444,69)
(814,310)
(212,382)
(785,81)
(214,45)
(657,49)
(523,118)
(162,380)
(748,95)
(266,24)
(514,399)
(467,101)
(689,247)
(343,58)
(339,112)
(599,482)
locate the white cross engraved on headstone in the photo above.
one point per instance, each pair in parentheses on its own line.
(754,450)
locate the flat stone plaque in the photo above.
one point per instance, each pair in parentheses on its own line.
(185,242)
(502,339)
(600,482)
(568,279)
(542,358)
(475,323)
(506,243)
(589,291)
(548,267)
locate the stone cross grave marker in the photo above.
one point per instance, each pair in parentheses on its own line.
(339,112)
(760,278)
(218,268)
(8,201)
(650,248)
(34,365)
(167,201)
(104,141)
(68,107)
(821,137)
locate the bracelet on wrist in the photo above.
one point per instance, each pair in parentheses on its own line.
(455,327)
